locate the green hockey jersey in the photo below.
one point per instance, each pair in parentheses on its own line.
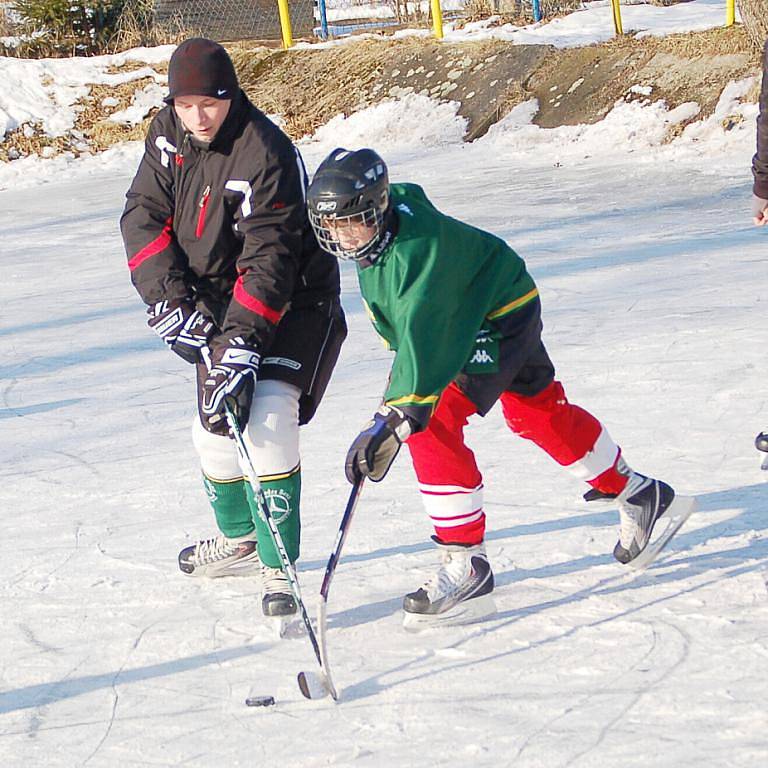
(435,296)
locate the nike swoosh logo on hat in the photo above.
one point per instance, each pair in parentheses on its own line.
(222,92)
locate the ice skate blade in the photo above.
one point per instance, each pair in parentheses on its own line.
(665,528)
(286,627)
(236,570)
(467,612)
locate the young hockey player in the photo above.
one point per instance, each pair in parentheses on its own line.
(220,249)
(760,191)
(463,317)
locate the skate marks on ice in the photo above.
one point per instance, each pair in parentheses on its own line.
(667,525)
(43,694)
(702,557)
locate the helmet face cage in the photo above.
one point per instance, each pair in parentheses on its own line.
(348,201)
(329,229)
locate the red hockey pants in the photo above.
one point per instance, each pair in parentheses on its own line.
(450,482)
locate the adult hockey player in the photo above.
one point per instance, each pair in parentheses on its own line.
(462,315)
(760,191)
(220,249)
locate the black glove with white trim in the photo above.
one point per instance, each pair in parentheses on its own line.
(232,377)
(375,448)
(185,330)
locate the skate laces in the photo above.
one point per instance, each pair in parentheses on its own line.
(212,550)
(274,580)
(452,573)
(628,520)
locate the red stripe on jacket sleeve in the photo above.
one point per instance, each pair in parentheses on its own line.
(160,243)
(241,296)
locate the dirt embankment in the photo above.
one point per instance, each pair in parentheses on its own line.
(577,85)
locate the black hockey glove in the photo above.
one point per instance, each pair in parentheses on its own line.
(185,330)
(232,377)
(375,448)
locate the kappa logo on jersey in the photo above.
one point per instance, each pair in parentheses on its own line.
(481,356)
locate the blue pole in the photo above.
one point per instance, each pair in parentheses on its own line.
(324,19)
(536,9)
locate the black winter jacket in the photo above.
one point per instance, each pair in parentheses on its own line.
(225,225)
(760,160)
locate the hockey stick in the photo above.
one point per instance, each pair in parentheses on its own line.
(324,683)
(306,682)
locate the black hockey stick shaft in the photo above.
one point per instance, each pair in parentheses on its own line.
(274,531)
(303,679)
(341,536)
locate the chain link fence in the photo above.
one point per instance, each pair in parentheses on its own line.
(235,19)
(259,19)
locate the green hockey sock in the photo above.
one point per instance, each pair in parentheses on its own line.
(282,493)
(230,505)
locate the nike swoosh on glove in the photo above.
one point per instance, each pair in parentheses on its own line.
(231,378)
(375,448)
(185,330)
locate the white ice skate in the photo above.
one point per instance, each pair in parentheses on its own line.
(459,593)
(277,602)
(221,556)
(650,514)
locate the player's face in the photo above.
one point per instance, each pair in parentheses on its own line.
(352,233)
(202,116)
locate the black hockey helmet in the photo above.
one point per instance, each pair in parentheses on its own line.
(348,201)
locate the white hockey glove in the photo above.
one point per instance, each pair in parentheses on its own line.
(232,377)
(185,330)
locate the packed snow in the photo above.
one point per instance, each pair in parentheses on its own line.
(653,284)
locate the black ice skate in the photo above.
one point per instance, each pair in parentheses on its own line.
(761,443)
(459,593)
(277,597)
(650,514)
(221,556)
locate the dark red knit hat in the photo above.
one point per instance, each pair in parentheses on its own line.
(201,67)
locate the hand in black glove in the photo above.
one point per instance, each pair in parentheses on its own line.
(232,377)
(374,449)
(185,330)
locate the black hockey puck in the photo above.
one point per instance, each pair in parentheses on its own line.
(260,701)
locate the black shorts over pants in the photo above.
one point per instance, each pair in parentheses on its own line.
(303,352)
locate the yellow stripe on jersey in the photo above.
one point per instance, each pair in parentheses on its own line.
(414,400)
(513,305)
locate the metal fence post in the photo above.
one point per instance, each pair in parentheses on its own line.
(730,13)
(437,19)
(616,8)
(285,23)
(323,19)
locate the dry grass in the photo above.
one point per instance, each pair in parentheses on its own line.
(100,132)
(311,88)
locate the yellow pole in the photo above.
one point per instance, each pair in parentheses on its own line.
(285,23)
(730,13)
(617,17)
(437,19)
